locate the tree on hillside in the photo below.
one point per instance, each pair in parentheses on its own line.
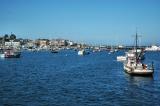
(6,37)
(12,37)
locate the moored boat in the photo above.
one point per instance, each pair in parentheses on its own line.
(81,52)
(121,58)
(12,53)
(54,51)
(134,66)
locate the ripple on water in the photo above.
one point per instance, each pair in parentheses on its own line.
(43,78)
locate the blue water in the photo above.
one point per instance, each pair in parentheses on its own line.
(66,79)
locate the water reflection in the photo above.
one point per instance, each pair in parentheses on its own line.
(138,80)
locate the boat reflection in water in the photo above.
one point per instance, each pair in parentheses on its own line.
(138,80)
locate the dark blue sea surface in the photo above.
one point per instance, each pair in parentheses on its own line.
(66,79)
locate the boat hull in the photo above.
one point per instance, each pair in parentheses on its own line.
(81,52)
(54,51)
(121,58)
(137,72)
(13,56)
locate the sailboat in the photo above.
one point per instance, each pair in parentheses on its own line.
(134,66)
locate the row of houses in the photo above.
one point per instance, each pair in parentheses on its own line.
(38,43)
(45,43)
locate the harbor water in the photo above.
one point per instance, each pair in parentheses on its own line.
(66,79)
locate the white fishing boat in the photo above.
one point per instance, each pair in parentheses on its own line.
(133,65)
(135,68)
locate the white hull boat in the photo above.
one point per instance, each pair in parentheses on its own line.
(121,58)
(81,52)
(133,66)
(139,69)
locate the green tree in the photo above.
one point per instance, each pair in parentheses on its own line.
(12,37)
(6,37)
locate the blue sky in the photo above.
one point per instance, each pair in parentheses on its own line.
(90,21)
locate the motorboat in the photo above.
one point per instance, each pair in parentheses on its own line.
(81,52)
(11,53)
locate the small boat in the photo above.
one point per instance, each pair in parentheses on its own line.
(121,58)
(81,52)
(133,65)
(11,53)
(54,51)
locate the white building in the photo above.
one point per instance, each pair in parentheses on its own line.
(153,48)
(14,44)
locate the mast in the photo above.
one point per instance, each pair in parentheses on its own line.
(136,49)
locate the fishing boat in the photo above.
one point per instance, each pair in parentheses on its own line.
(134,66)
(11,53)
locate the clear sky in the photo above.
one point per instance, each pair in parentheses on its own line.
(90,21)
